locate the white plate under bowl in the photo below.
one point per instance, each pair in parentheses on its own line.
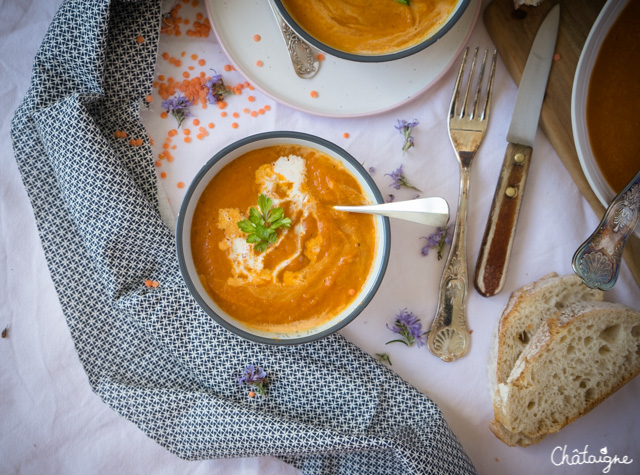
(345,88)
(598,33)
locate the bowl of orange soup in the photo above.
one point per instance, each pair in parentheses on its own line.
(261,247)
(371,31)
(606,100)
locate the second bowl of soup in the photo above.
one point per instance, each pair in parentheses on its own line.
(366,31)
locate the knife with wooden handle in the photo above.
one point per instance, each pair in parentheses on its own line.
(493,261)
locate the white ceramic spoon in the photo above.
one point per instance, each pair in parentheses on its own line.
(433,211)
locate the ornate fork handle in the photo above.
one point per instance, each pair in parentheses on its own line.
(449,335)
(303,58)
(597,261)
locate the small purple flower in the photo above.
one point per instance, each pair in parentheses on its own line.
(217,89)
(254,376)
(405,129)
(178,107)
(372,170)
(399,180)
(408,326)
(391,199)
(443,236)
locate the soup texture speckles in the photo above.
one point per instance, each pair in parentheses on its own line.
(317,266)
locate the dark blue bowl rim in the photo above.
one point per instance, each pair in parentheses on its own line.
(372,58)
(180,243)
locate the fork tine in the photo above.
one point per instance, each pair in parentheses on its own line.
(492,73)
(456,87)
(474,107)
(463,109)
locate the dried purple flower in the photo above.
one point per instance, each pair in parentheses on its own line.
(391,199)
(178,107)
(405,129)
(372,170)
(399,180)
(408,326)
(217,89)
(437,240)
(254,376)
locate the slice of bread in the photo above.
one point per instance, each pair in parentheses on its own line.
(527,308)
(576,359)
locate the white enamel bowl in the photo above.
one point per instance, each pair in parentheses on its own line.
(183,237)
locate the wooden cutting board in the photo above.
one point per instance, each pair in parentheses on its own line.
(513,32)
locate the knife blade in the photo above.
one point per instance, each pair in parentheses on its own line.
(497,243)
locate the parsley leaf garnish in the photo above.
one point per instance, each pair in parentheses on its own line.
(404,2)
(262,224)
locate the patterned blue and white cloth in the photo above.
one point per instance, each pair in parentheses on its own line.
(151,353)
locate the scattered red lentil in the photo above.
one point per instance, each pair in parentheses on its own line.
(251,98)
(211,125)
(163,175)
(256,38)
(254,113)
(186,131)
(164,114)
(148,282)
(173,133)
(320,57)
(180,184)
(235,115)
(223,114)
(187,139)
(228,67)
(235,125)
(149,98)
(252,394)
(140,39)
(313,94)
(196,122)
(556,57)
(202,62)
(259,63)
(194,56)
(346,135)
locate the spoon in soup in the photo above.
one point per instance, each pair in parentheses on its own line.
(433,211)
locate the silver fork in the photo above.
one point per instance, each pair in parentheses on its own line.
(449,335)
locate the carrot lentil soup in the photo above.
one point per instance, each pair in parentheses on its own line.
(613,100)
(315,269)
(370,27)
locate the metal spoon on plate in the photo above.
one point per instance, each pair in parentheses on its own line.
(433,211)
(303,57)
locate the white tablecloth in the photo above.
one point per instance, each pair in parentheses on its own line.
(53,423)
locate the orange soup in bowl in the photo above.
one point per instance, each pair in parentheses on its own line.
(365,27)
(316,267)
